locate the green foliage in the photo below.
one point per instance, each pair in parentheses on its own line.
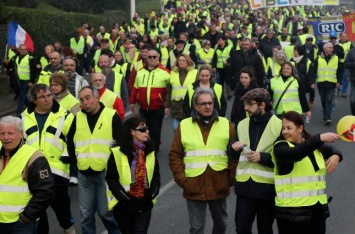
(145,6)
(46,27)
(21,3)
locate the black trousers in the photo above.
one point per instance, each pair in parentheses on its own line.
(132,222)
(61,207)
(154,120)
(246,210)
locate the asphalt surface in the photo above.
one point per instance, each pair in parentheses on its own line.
(170,212)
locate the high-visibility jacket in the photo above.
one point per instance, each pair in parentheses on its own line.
(117,84)
(44,62)
(289,51)
(14,191)
(23,68)
(108,98)
(164,56)
(290,100)
(124,172)
(327,71)
(45,76)
(256,171)
(93,149)
(106,35)
(68,102)
(206,57)
(346,46)
(51,141)
(217,89)
(179,90)
(199,155)
(302,186)
(222,55)
(77,47)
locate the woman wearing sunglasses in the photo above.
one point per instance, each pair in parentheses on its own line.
(301,164)
(133,177)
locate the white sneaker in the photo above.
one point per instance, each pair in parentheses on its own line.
(73,181)
(70,230)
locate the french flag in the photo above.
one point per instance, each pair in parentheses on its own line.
(17,36)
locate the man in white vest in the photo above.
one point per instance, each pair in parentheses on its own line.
(254,184)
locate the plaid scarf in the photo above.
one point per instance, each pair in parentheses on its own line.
(138,171)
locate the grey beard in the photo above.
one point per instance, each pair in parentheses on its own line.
(70,74)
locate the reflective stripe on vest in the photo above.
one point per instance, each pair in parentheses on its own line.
(124,172)
(302,186)
(290,100)
(257,172)
(199,155)
(222,56)
(93,149)
(23,68)
(51,142)
(327,71)
(178,90)
(14,191)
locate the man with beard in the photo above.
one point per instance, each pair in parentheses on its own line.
(114,79)
(75,81)
(247,57)
(254,184)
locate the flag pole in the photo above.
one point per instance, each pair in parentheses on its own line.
(5,51)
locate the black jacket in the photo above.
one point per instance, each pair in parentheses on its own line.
(41,185)
(239,59)
(350,64)
(126,201)
(266,45)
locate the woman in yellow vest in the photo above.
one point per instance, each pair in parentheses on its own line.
(133,177)
(204,81)
(59,88)
(205,54)
(301,164)
(183,74)
(44,60)
(295,96)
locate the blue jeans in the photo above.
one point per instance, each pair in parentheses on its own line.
(22,99)
(344,84)
(326,96)
(18,228)
(92,197)
(197,215)
(352,97)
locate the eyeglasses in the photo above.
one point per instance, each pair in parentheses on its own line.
(44,96)
(152,57)
(249,103)
(141,129)
(204,104)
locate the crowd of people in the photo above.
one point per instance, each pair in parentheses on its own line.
(185,62)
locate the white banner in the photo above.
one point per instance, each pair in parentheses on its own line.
(255,4)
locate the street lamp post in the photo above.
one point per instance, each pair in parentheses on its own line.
(133,7)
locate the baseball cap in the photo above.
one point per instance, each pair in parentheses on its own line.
(309,36)
(333,34)
(300,28)
(257,94)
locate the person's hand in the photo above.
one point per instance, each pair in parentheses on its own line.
(132,107)
(166,111)
(38,66)
(30,85)
(332,163)
(309,114)
(237,146)
(6,61)
(338,85)
(329,137)
(313,86)
(253,156)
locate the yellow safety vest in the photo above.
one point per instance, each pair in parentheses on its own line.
(68,102)
(178,90)
(108,98)
(77,47)
(303,186)
(199,155)
(45,76)
(290,100)
(327,71)
(23,68)
(164,56)
(43,61)
(118,81)
(256,171)
(14,191)
(206,57)
(124,172)
(222,56)
(93,149)
(346,46)
(51,141)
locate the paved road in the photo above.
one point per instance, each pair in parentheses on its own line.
(170,213)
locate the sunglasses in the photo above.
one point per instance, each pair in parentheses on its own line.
(142,129)
(152,57)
